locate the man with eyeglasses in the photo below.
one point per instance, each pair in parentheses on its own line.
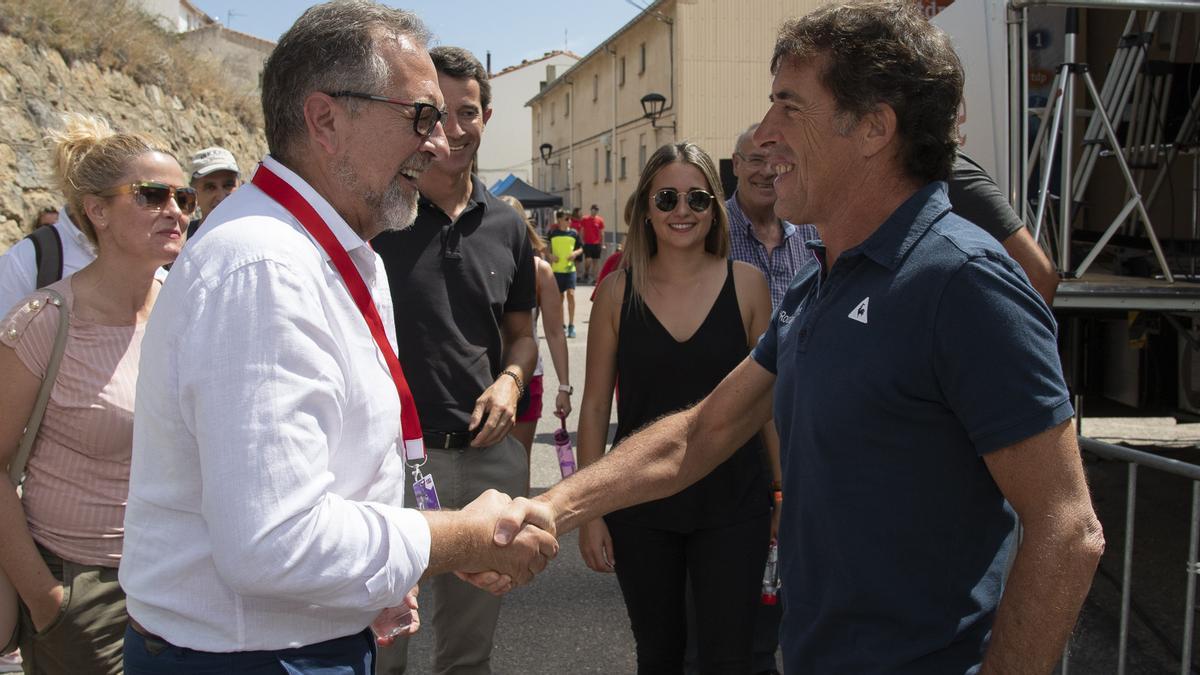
(462,280)
(756,235)
(265,529)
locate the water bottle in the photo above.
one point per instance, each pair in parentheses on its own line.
(770,587)
(562,446)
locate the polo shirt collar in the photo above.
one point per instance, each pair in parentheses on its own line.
(738,218)
(479,196)
(346,236)
(895,237)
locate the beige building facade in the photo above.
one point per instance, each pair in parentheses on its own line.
(709,59)
(240,55)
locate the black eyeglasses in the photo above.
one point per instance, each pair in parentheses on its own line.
(153,195)
(697,200)
(425,115)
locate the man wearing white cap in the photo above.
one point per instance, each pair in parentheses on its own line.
(215,176)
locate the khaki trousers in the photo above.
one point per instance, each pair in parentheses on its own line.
(89,633)
(463,617)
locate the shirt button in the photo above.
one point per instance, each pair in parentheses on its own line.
(35,305)
(11,333)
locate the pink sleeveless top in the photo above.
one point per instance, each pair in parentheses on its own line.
(77,476)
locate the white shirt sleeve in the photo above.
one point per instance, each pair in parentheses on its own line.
(262,376)
(18,274)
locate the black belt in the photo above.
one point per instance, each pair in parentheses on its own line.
(441,440)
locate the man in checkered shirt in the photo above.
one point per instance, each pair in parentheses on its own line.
(756,235)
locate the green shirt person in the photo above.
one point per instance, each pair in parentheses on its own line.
(565,248)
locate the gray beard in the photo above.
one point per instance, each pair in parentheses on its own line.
(394,209)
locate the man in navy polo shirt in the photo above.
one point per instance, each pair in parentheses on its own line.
(917,389)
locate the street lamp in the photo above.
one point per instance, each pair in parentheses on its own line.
(653,106)
(546,150)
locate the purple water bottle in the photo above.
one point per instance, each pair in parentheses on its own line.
(562,446)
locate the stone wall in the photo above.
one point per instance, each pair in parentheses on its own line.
(36,85)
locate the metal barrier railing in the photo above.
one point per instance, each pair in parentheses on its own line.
(1136,458)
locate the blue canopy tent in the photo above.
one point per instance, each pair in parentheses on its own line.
(529,196)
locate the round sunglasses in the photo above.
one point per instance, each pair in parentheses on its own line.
(149,194)
(697,200)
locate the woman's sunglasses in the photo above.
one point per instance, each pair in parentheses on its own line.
(155,195)
(697,200)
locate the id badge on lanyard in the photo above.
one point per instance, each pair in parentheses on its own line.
(413,447)
(424,490)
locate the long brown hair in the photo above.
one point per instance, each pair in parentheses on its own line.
(641,244)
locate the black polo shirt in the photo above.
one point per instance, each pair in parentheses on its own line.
(451,284)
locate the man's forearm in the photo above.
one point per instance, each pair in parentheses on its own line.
(648,465)
(658,461)
(666,456)
(522,353)
(1049,580)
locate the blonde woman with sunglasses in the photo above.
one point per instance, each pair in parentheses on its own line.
(668,327)
(61,540)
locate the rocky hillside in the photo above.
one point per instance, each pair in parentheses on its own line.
(36,85)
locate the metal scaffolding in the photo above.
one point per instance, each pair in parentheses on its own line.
(1130,91)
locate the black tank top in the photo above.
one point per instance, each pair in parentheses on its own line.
(658,375)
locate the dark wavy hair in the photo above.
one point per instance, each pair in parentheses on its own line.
(885,51)
(462,65)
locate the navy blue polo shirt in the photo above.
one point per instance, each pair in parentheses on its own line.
(922,349)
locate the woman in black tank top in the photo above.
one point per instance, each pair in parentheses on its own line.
(669,328)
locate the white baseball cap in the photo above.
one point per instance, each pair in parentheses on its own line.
(213,159)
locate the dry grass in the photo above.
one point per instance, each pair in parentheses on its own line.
(117,34)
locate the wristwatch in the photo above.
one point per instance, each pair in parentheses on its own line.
(566,389)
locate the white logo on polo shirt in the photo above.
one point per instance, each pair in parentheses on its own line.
(860,313)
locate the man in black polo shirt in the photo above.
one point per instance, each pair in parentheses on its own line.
(463,287)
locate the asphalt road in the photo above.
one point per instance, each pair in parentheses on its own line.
(570,619)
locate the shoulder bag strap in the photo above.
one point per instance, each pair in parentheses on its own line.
(16,469)
(48,250)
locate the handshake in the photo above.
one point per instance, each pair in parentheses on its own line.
(495,543)
(514,540)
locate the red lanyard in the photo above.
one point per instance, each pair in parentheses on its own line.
(278,189)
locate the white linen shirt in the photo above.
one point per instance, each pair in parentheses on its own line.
(18,265)
(266,488)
